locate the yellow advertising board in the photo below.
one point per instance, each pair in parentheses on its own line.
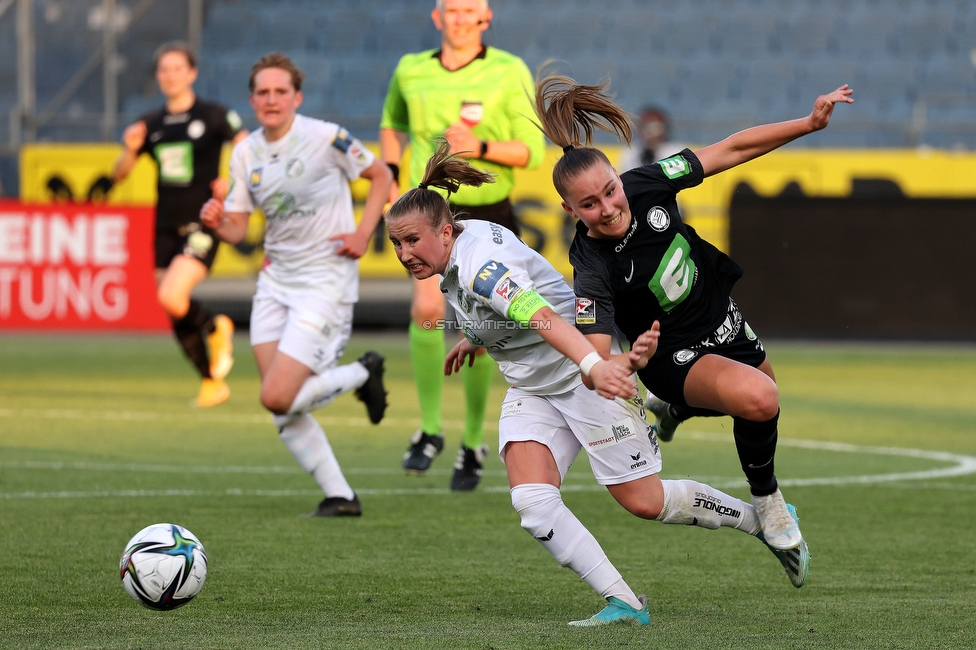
(76,169)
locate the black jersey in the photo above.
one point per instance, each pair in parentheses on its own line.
(659,270)
(186,148)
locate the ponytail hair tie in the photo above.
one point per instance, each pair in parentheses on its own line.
(568,148)
(423,186)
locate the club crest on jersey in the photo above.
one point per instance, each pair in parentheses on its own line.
(255,181)
(675,167)
(585,311)
(487,277)
(658,218)
(294,168)
(195,129)
(681,357)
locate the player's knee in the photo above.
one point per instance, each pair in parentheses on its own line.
(762,404)
(172,303)
(275,400)
(536,503)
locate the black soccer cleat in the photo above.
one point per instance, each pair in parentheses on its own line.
(423,448)
(468,468)
(372,393)
(339,507)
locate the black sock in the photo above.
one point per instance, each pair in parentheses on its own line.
(189,332)
(756,444)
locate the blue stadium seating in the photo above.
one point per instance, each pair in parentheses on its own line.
(715,64)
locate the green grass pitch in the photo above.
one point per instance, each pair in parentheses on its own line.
(98,439)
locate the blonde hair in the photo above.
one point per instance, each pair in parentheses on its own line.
(569,114)
(443,171)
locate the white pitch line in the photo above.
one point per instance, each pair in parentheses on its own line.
(211,416)
(962,465)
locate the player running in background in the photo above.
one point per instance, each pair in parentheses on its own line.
(636,263)
(478,98)
(509,299)
(185,138)
(298,170)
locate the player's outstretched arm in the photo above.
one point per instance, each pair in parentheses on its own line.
(380,178)
(751,143)
(231,227)
(608,378)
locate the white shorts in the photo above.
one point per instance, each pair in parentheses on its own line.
(620,443)
(309,327)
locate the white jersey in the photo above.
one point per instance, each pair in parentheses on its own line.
(301,182)
(489,269)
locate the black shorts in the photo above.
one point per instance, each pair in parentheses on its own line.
(191,239)
(500,213)
(666,372)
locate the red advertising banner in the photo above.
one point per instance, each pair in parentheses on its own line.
(77,267)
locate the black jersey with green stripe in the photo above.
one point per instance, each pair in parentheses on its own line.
(186,147)
(659,270)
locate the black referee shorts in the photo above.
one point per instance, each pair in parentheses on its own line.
(666,372)
(500,213)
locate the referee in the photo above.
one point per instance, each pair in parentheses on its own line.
(477,98)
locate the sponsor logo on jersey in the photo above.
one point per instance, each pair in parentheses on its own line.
(471,336)
(630,233)
(294,168)
(464,301)
(195,129)
(511,408)
(255,181)
(610,434)
(658,218)
(472,113)
(585,311)
(675,275)
(508,289)
(749,333)
(675,167)
(179,118)
(681,357)
(487,277)
(496,233)
(282,205)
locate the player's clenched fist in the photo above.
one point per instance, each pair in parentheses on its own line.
(212,213)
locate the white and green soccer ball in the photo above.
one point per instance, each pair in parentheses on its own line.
(164,566)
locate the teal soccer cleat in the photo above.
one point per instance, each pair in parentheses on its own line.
(617,611)
(795,561)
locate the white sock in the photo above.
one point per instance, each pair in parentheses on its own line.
(306,441)
(319,390)
(546,517)
(696,504)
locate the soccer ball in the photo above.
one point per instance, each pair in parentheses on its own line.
(163,566)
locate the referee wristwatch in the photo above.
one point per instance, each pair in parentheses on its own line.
(484,149)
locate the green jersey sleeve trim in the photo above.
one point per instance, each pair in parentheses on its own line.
(525,306)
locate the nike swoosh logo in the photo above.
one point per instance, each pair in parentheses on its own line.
(629,277)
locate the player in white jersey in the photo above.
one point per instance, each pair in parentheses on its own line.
(508,299)
(298,170)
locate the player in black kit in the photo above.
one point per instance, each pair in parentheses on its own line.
(185,138)
(635,262)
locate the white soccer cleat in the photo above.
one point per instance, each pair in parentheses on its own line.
(779,528)
(221,342)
